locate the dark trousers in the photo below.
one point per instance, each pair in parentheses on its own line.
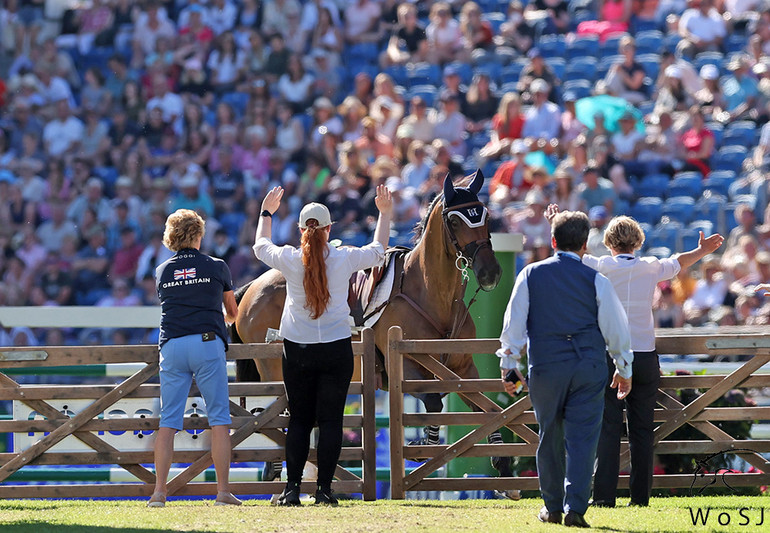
(317,377)
(640,412)
(567,397)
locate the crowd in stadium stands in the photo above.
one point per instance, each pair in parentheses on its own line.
(114,113)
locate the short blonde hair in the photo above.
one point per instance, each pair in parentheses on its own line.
(623,234)
(183,228)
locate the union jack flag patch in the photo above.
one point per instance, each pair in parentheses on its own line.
(185,273)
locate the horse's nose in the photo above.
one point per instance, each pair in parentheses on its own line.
(489,278)
(487,272)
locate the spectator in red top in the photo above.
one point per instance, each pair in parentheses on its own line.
(477,33)
(127,256)
(506,126)
(698,143)
(196,27)
(509,177)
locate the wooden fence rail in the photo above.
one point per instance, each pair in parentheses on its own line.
(671,414)
(53,421)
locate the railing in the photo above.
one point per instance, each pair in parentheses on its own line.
(93,425)
(671,415)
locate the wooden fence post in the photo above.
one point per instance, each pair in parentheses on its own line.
(396,396)
(369,427)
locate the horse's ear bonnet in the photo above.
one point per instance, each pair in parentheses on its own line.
(454,196)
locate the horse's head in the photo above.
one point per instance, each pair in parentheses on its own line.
(467,225)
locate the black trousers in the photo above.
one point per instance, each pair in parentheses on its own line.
(640,412)
(317,377)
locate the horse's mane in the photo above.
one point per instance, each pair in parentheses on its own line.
(241,291)
(419,229)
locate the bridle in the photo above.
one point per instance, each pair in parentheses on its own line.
(465,255)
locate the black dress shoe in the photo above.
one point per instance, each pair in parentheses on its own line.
(290,496)
(325,497)
(551,518)
(601,503)
(574,519)
(632,503)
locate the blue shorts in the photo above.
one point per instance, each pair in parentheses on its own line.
(181,359)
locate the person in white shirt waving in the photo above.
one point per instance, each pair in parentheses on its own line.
(317,350)
(634,279)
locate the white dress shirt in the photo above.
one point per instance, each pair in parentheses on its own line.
(612,322)
(634,279)
(333,324)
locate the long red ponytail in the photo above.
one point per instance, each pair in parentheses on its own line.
(315,282)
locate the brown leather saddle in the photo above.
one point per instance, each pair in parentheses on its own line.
(363,283)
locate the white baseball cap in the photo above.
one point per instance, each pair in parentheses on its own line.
(315,211)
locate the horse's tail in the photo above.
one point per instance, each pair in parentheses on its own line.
(245,369)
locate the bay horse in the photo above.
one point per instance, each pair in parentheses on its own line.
(426,301)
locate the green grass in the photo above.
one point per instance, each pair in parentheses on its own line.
(664,514)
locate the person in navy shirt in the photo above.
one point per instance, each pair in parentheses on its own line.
(193,339)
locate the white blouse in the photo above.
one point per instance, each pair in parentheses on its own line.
(333,324)
(634,279)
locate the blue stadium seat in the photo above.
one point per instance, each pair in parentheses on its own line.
(688,239)
(428,93)
(650,63)
(742,133)
(730,158)
(647,210)
(509,87)
(661,252)
(398,73)
(654,185)
(511,73)
(671,41)
(706,226)
(649,42)
(552,46)
(666,234)
(686,184)
(611,44)
(424,74)
(505,55)
(558,66)
(711,207)
(719,182)
(495,20)
(679,208)
(739,187)
(736,43)
(482,57)
(364,52)
(583,46)
(643,25)
(718,130)
(708,58)
(232,222)
(581,88)
(306,120)
(583,68)
(238,101)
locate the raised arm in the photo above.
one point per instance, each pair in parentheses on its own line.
(270,204)
(706,245)
(384,203)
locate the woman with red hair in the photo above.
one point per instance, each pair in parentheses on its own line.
(317,351)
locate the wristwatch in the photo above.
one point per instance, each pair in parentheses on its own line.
(266,213)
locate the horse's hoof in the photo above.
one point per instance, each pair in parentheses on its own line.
(514,495)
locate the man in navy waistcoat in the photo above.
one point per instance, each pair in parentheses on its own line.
(568,316)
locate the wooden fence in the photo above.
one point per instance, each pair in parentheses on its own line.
(671,413)
(91,427)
